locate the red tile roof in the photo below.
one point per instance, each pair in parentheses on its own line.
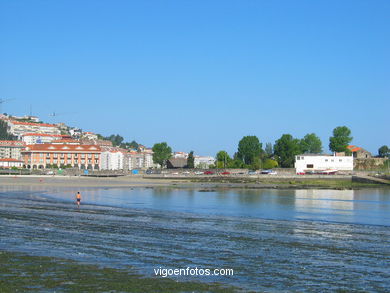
(353,148)
(33,124)
(10,160)
(63,148)
(12,143)
(42,134)
(66,140)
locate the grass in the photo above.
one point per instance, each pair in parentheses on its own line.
(21,273)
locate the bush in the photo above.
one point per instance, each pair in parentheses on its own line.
(270,164)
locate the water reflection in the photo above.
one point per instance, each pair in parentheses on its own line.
(370,206)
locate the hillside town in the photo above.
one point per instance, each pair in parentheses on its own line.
(35,145)
(38,145)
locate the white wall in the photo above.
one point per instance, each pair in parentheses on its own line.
(112,160)
(304,162)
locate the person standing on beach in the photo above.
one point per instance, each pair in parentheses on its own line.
(78,199)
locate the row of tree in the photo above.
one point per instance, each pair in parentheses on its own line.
(118,141)
(250,153)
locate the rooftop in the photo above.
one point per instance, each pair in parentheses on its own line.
(62,148)
(10,160)
(33,124)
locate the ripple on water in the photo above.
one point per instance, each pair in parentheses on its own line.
(277,254)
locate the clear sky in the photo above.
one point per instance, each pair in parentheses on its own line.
(201,74)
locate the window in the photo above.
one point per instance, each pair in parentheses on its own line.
(298,158)
(340,160)
(310,166)
(326,160)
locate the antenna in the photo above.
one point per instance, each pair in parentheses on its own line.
(2,101)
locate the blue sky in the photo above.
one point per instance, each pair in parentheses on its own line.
(201,74)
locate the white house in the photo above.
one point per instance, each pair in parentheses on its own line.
(314,162)
(203,162)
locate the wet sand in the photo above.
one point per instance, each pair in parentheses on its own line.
(73,181)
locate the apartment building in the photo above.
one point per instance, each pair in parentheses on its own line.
(11,149)
(19,128)
(34,138)
(140,160)
(203,162)
(41,156)
(113,158)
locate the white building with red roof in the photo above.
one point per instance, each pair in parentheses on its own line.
(8,163)
(41,156)
(19,128)
(113,158)
(11,149)
(34,138)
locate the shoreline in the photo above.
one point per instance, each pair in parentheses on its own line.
(207,183)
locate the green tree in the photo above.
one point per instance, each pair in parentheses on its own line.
(311,144)
(116,140)
(4,135)
(249,148)
(161,153)
(236,164)
(223,159)
(191,160)
(340,139)
(133,145)
(286,148)
(270,164)
(384,151)
(269,149)
(256,164)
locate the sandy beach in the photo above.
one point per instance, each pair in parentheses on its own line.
(71,181)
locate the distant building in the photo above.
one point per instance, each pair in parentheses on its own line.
(26,117)
(11,149)
(136,160)
(35,138)
(203,162)
(359,153)
(19,128)
(314,162)
(39,156)
(182,155)
(9,163)
(113,158)
(90,135)
(141,160)
(75,132)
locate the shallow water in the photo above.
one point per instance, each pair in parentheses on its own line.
(303,240)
